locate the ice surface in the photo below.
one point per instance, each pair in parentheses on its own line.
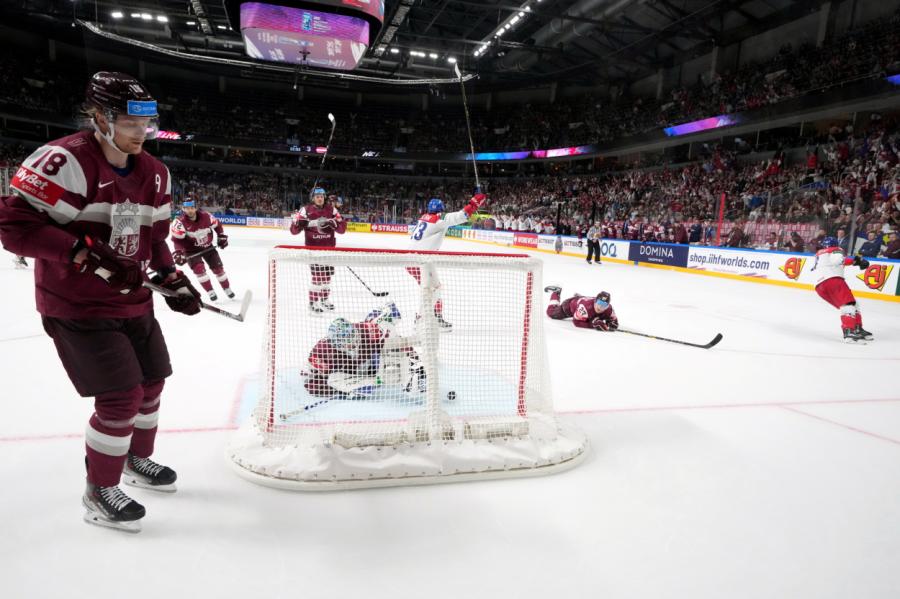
(766,467)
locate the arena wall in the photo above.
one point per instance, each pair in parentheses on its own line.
(881,280)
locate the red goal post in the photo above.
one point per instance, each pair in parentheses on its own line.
(407,401)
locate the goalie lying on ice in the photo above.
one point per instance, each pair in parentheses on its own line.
(356,358)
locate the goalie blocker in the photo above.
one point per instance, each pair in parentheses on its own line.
(369,398)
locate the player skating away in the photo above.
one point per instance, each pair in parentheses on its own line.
(428,235)
(586,312)
(320,221)
(831,287)
(192,232)
(356,358)
(93,209)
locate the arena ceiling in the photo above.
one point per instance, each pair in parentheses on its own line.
(503,42)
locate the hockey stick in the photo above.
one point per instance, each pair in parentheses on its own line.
(325,155)
(375,293)
(715,340)
(198,254)
(245,303)
(288,415)
(462,86)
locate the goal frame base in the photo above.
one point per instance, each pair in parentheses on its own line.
(568,450)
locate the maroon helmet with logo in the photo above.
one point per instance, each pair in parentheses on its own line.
(119,94)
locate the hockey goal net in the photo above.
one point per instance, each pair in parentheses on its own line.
(395,367)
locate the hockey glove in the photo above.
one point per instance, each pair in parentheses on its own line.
(222,242)
(121,273)
(179,257)
(860,262)
(188,299)
(298,223)
(599,324)
(477,200)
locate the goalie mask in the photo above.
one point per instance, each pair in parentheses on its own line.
(343,336)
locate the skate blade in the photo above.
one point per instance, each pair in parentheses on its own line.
(96,519)
(133,481)
(855,341)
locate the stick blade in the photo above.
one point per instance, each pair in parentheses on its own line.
(714,342)
(456,70)
(245,304)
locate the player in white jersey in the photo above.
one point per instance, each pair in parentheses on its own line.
(831,287)
(428,235)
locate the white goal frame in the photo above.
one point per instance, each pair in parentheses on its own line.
(429,447)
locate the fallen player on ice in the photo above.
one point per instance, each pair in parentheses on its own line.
(586,312)
(355,359)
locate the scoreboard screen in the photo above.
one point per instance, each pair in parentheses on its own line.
(330,34)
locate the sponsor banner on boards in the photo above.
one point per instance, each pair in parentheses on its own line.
(354,227)
(390,228)
(231,219)
(525,240)
(659,253)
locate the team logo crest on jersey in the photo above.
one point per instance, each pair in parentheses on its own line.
(793,267)
(876,275)
(126,228)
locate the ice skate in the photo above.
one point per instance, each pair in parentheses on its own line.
(444,326)
(20,262)
(326,304)
(111,507)
(552,289)
(863,334)
(147,474)
(229,293)
(851,336)
(212,296)
(316,307)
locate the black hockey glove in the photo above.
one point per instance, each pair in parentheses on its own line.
(188,299)
(222,242)
(860,262)
(121,273)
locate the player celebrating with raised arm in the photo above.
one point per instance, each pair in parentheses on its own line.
(320,221)
(831,287)
(192,232)
(586,312)
(93,210)
(428,235)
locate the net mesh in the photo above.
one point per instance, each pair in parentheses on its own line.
(382,349)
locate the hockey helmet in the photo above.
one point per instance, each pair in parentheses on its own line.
(318,191)
(829,242)
(120,94)
(601,302)
(435,205)
(343,335)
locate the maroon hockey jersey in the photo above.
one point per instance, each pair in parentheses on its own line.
(325,359)
(320,224)
(66,189)
(190,236)
(583,312)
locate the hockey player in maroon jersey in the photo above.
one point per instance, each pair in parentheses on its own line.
(320,221)
(831,287)
(586,312)
(355,358)
(93,210)
(192,232)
